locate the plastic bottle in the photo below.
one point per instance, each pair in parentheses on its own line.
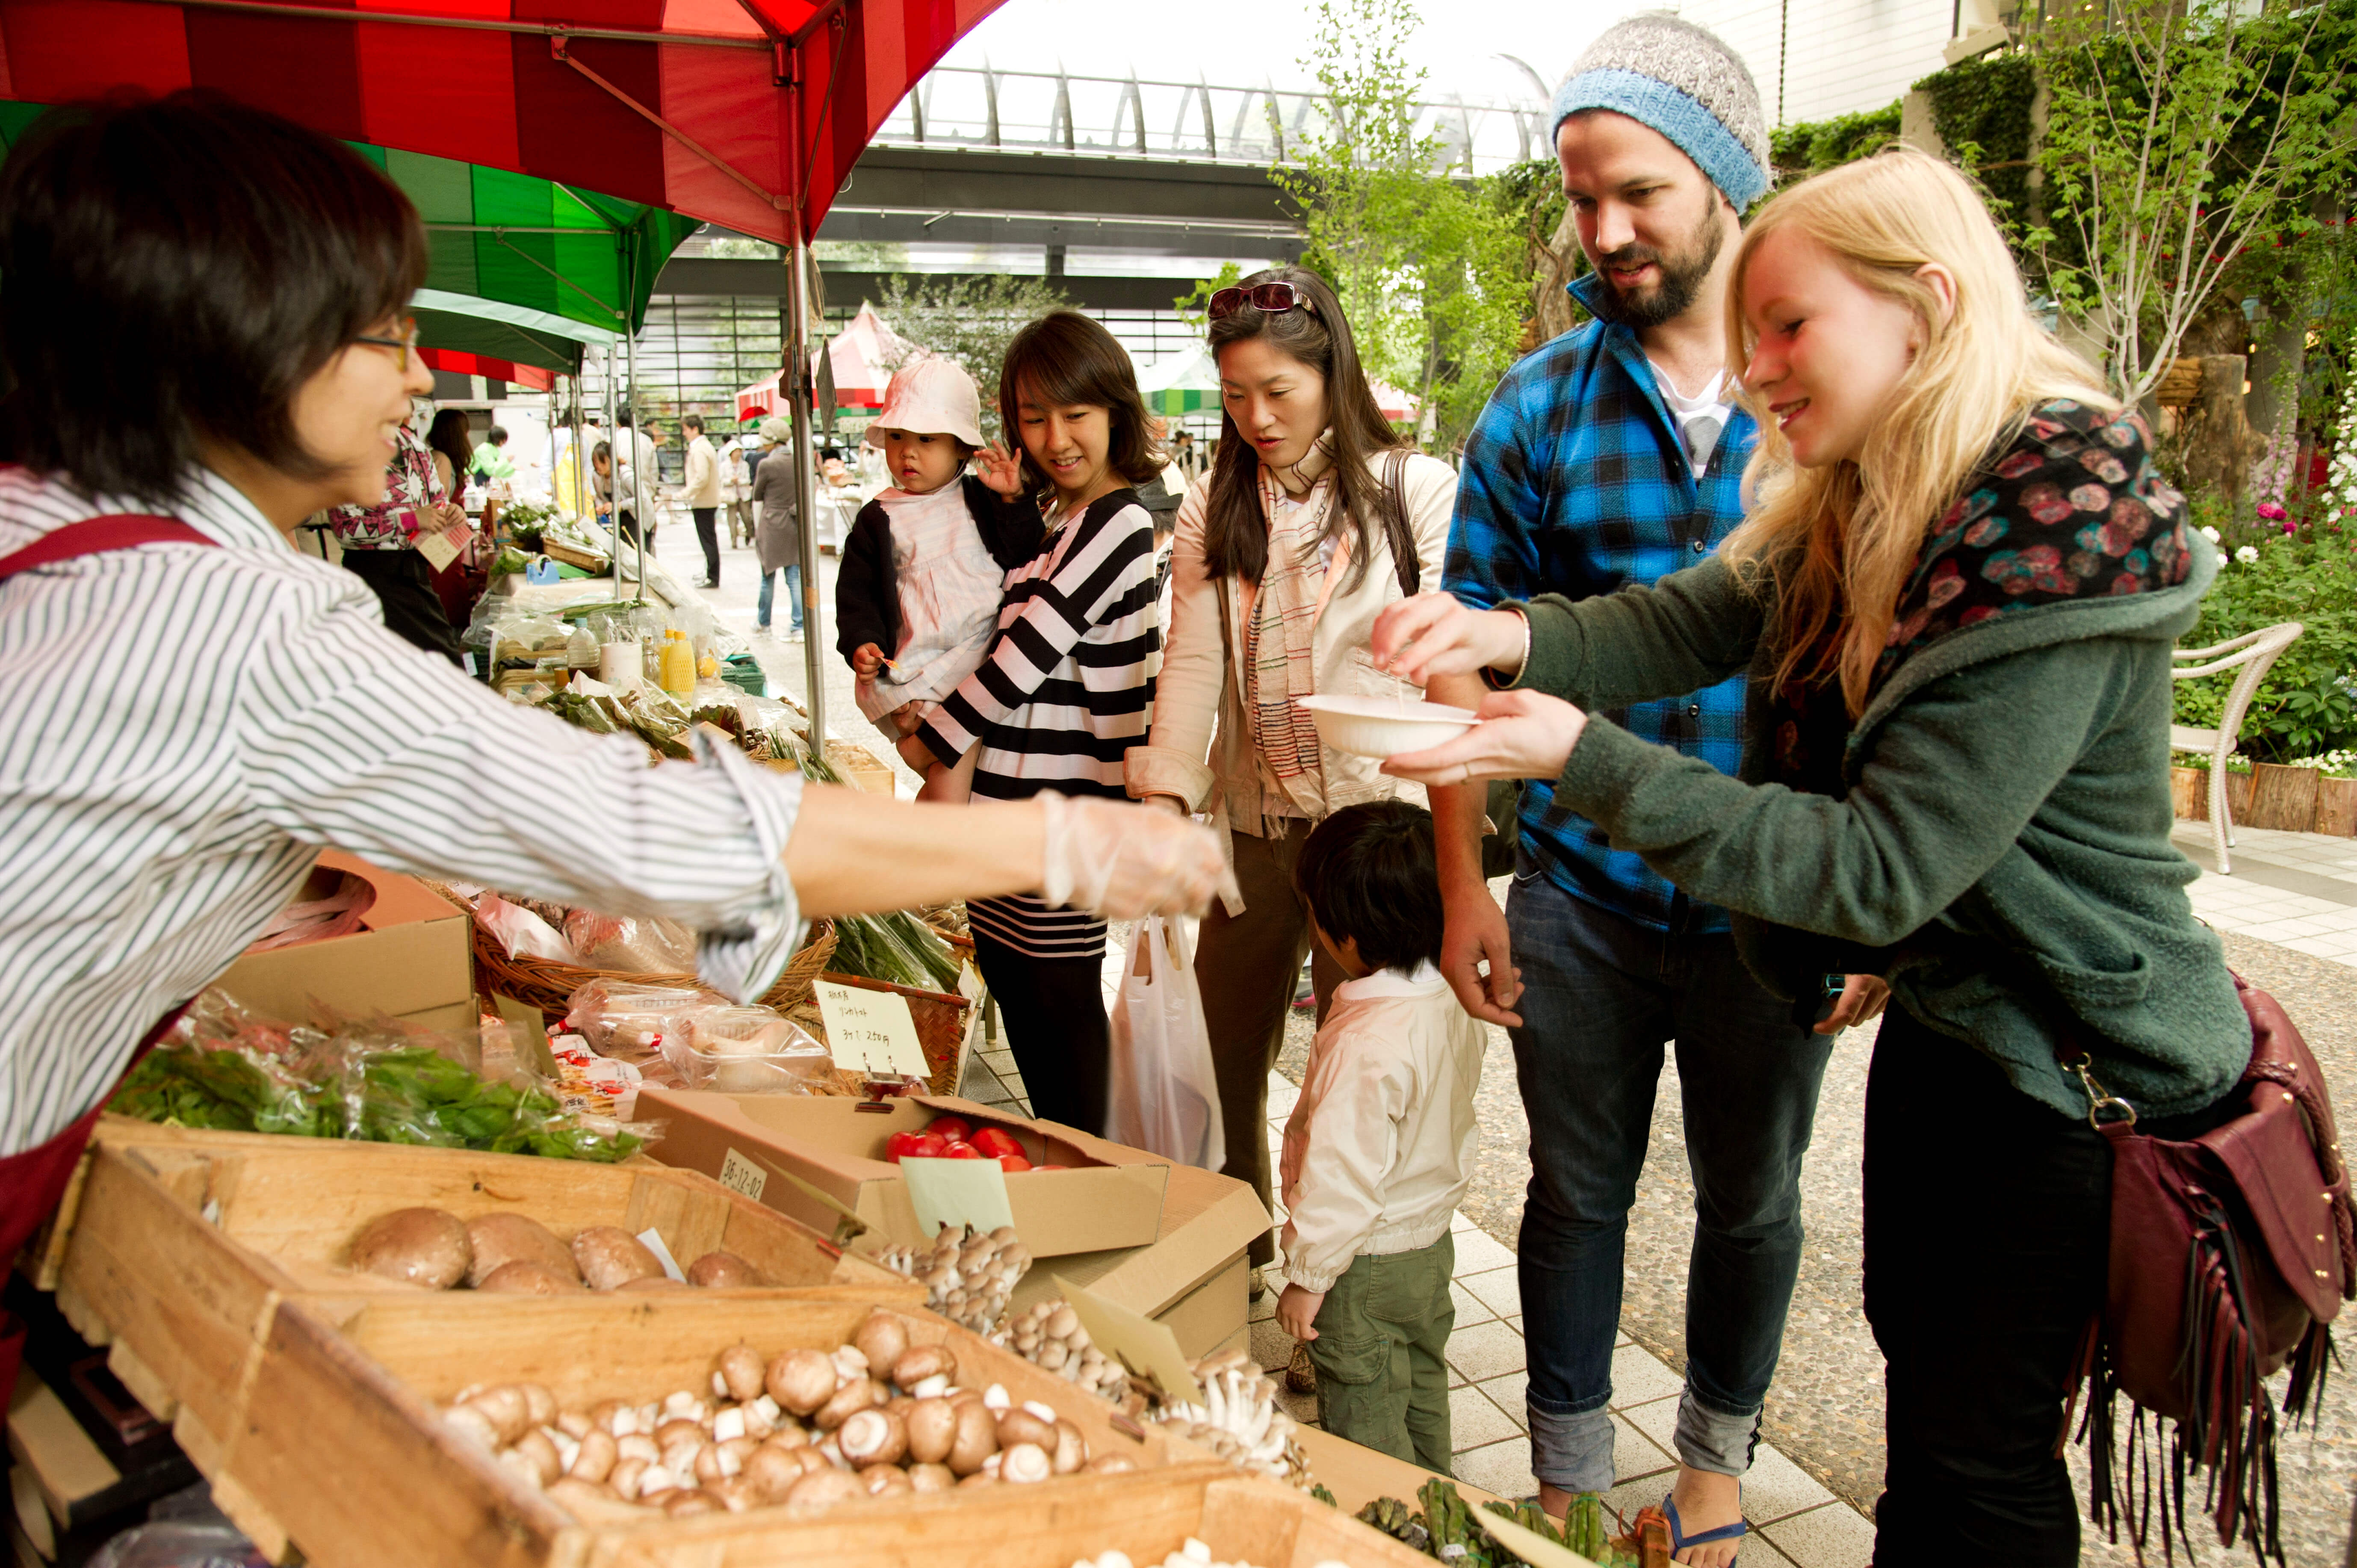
(678,665)
(581,649)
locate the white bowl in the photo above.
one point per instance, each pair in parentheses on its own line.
(1385,726)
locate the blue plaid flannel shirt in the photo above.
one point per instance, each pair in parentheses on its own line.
(1576,481)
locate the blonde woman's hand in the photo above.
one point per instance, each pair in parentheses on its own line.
(1433,634)
(1120,861)
(1522,735)
(1000,469)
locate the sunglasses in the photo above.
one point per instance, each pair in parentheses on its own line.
(1271,297)
(406,343)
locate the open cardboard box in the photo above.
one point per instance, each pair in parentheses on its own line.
(410,960)
(1112,1196)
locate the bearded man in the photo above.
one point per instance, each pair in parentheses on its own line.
(1615,454)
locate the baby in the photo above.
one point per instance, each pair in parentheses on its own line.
(924,563)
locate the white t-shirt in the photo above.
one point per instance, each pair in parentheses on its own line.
(1700,417)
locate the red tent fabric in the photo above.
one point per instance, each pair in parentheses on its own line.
(461,363)
(741,113)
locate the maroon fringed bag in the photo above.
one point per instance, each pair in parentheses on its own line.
(2231,1254)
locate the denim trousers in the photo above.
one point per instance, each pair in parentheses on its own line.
(1602,995)
(793,575)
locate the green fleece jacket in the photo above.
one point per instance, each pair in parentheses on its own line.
(2002,855)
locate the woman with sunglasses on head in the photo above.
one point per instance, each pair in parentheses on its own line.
(1317,515)
(201,320)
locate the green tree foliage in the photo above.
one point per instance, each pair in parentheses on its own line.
(2305,707)
(969,320)
(1803,149)
(1981,109)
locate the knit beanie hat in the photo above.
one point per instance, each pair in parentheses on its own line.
(1684,83)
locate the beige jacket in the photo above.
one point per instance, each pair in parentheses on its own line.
(1198,702)
(703,487)
(1380,1146)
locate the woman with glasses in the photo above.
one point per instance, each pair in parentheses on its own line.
(1317,515)
(380,542)
(201,318)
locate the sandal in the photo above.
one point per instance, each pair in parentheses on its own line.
(1680,1540)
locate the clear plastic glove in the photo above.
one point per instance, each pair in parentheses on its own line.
(1120,861)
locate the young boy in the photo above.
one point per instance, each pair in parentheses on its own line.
(1380,1146)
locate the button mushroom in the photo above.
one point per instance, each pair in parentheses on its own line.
(931,1478)
(610,1257)
(881,1478)
(883,1339)
(1023,1426)
(873,1437)
(506,1408)
(595,1458)
(853,1396)
(771,1473)
(976,1440)
(1024,1463)
(417,1246)
(932,1426)
(824,1488)
(725,1271)
(801,1381)
(498,1240)
(919,1363)
(1071,1450)
(525,1277)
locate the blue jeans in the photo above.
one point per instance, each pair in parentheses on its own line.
(793,575)
(1602,992)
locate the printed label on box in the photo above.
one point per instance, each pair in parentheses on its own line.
(870,1032)
(740,1175)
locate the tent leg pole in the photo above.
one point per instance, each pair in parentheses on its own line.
(614,478)
(640,497)
(797,385)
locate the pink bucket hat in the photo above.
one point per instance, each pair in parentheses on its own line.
(931,396)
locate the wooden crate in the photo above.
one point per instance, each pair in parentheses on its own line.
(361,1378)
(861,768)
(179,1245)
(1147,1516)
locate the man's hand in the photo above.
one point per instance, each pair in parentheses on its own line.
(1863,997)
(1297,1310)
(1475,933)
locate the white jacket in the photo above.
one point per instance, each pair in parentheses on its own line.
(1197,686)
(1380,1146)
(703,487)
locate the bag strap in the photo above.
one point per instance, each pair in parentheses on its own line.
(1397,530)
(99,536)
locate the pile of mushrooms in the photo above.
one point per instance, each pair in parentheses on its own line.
(806,1429)
(1049,1336)
(516,1253)
(1239,1419)
(967,1277)
(1193,1555)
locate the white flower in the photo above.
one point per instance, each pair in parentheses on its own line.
(2210,534)
(2248,554)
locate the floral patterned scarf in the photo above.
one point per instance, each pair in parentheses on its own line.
(2073,508)
(1280,615)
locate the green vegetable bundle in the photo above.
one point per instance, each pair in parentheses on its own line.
(897,948)
(1448,1531)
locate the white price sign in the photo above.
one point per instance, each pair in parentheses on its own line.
(870,1032)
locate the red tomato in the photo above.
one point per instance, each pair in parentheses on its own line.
(961,1150)
(1012,1163)
(956,1128)
(995,1142)
(921,1145)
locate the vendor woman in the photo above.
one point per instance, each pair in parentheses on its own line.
(201,318)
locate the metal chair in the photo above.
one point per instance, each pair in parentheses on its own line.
(2254,653)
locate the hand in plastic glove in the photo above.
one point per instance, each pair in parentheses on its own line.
(1120,861)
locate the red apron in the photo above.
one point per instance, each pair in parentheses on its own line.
(31,1183)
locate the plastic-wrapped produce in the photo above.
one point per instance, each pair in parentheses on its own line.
(745,1050)
(630,1022)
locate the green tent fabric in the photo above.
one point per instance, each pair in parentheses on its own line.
(474,325)
(1185,383)
(508,237)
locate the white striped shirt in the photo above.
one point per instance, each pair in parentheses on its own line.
(1065,691)
(181,729)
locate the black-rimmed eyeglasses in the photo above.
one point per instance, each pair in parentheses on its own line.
(406,342)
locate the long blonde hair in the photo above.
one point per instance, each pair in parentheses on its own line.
(1838,540)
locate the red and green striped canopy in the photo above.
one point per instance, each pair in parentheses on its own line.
(744,112)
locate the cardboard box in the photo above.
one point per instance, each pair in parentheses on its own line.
(1194,1277)
(1358,1475)
(1112,1199)
(411,959)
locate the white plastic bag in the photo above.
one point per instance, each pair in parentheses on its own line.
(1165,1098)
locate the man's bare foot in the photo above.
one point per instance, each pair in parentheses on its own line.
(1707,1500)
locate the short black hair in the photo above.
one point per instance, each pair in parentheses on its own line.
(694,419)
(172,272)
(1369,876)
(497,434)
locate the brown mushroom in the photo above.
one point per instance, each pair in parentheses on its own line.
(472,1423)
(575,1425)
(646,1283)
(856,1395)
(872,1437)
(881,1478)
(622,1480)
(725,1271)
(1025,1463)
(595,1458)
(681,1504)
(787,1434)
(417,1246)
(976,1440)
(824,1488)
(1111,1465)
(610,1257)
(722,1460)
(506,1408)
(497,1239)
(536,1449)
(539,1405)
(740,1372)
(1071,1450)
(801,1381)
(883,1339)
(979,1478)
(931,1478)
(771,1473)
(524,1276)
(932,1430)
(1020,1425)
(917,1363)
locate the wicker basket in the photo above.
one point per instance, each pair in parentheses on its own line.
(549,986)
(940,1028)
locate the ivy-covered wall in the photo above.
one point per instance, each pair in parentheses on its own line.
(1803,149)
(1981,109)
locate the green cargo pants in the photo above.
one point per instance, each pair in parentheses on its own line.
(1382,1333)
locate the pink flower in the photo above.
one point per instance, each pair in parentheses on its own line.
(2272,511)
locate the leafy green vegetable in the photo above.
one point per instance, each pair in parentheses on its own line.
(897,947)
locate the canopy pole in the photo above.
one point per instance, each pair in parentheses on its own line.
(613,448)
(796,382)
(640,497)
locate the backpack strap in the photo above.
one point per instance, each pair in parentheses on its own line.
(1396,532)
(99,536)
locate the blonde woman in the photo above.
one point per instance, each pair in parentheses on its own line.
(1955,596)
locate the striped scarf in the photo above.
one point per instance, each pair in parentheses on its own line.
(1280,617)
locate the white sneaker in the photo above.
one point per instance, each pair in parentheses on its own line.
(761,631)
